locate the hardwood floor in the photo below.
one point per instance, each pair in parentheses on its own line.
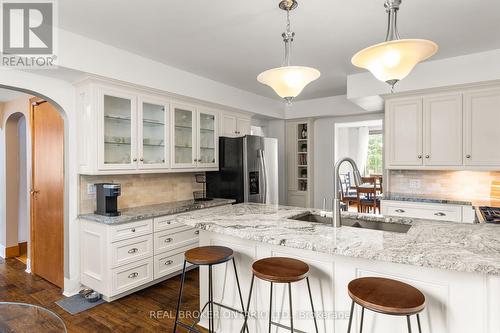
(149,310)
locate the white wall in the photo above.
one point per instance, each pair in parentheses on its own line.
(333,106)
(276,129)
(324,154)
(364,90)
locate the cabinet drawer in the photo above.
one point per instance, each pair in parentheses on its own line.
(424,211)
(168,240)
(171,262)
(131,276)
(166,223)
(129,250)
(129,230)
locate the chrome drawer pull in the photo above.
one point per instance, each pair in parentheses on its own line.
(400,211)
(134,250)
(133,275)
(197,232)
(168,262)
(440,214)
(168,240)
(169,222)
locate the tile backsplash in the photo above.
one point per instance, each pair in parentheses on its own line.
(140,190)
(459,185)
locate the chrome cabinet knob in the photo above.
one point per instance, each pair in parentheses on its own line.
(141,159)
(440,214)
(197,232)
(419,156)
(427,156)
(467,156)
(168,240)
(399,210)
(133,275)
(133,230)
(135,159)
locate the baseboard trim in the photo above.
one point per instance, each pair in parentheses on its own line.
(71,287)
(12,251)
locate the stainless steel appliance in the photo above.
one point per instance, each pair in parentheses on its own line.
(488,214)
(248,170)
(107,199)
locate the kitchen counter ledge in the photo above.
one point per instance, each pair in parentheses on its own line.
(460,247)
(152,211)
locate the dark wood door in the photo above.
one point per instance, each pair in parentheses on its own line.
(47,226)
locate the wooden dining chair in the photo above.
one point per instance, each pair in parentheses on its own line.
(347,197)
(367,195)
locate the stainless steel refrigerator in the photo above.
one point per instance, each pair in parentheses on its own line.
(248,170)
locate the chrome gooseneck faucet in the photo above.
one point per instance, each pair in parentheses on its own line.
(336,199)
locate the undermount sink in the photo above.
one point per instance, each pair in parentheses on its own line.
(346,222)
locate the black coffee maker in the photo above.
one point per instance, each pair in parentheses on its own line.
(107,199)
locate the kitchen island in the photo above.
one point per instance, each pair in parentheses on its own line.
(456,266)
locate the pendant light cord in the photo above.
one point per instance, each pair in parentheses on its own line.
(288,39)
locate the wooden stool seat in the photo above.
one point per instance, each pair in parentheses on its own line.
(386,296)
(280,270)
(208,255)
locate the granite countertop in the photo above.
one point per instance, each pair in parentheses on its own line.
(445,245)
(151,211)
(406,197)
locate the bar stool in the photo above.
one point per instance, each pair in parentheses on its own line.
(386,296)
(207,256)
(280,270)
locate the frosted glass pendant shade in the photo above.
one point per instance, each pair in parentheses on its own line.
(289,81)
(392,61)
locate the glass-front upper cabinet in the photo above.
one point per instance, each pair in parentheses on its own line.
(118,150)
(183,136)
(153,129)
(207,138)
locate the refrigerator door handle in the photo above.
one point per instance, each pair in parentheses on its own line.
(264,172)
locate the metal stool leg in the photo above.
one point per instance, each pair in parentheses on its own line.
(350,317)
(362,318)
(418,322)
(211,301)
(180,297)
(312,305)
(239,288)
(270,307)
(409,324)
(248,305)
(291,308)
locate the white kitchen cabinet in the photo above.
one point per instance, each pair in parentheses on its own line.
(234,125)
(404,132)
(117,149)
(117,260)
(442,128)
(195,137)
(481,134)
(154,141)
(429,211)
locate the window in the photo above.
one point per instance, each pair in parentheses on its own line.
(375,145)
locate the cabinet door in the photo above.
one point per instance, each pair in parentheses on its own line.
(153,140)
(183,137)
(228,125)
(443,130)
(404,132)
(207,139)
(118,130)
(481,134)
(243,126)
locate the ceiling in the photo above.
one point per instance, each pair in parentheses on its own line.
(232,41)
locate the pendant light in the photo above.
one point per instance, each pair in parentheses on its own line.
(288,81)
(394,59)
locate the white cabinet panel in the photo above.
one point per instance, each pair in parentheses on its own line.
(154,141)
(228,125)
(404,132)
(183,136)
(443,130)
(130,230)
(207,139)
(482,137)
(243,126)
(166,240)
(131,276)
(131,250)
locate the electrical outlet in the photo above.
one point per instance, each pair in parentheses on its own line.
(90,189)
(415,183)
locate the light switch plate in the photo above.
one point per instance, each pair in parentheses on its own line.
(90,189)
(414,183)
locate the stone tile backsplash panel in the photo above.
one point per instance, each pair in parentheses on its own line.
(140,190)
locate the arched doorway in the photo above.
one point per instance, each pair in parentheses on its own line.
(16,183)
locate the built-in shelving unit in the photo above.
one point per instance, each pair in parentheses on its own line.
(299,163)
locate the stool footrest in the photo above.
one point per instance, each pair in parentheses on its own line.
(286,327)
